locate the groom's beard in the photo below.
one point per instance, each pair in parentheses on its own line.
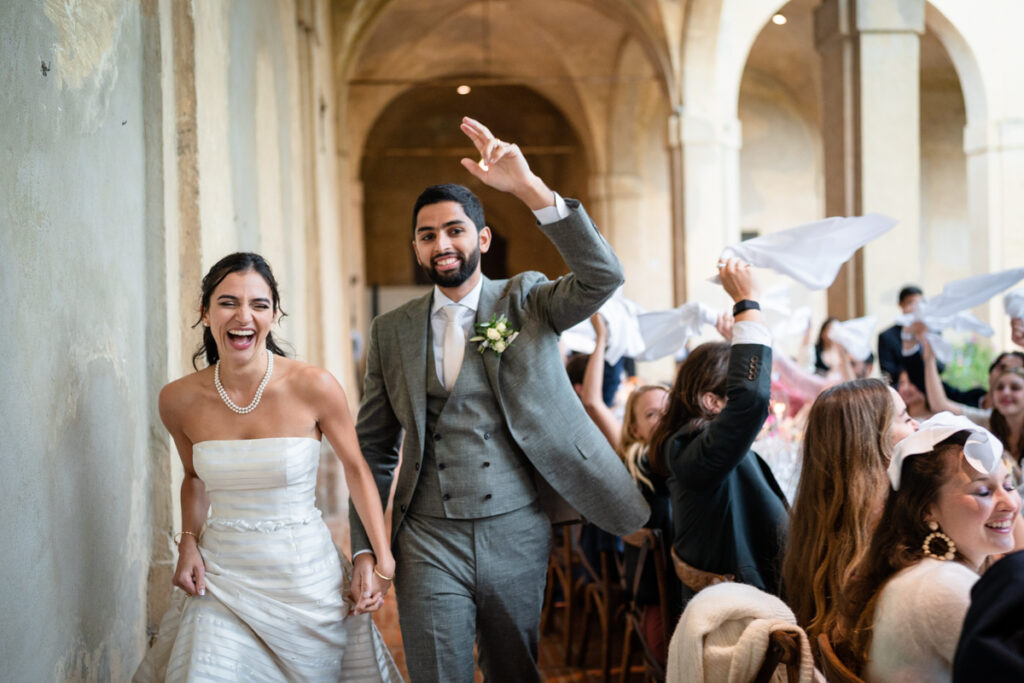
(456,277)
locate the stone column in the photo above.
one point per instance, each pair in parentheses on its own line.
(995,165)
(710,147)
(677,195)
(870,53)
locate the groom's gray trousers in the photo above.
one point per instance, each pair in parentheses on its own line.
(459,578)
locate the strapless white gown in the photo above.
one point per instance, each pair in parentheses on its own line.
(276,586)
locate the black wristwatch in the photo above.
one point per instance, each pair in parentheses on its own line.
(744,305)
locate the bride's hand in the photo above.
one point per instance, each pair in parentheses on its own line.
(190,575)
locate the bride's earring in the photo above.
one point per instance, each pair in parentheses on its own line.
(936,534)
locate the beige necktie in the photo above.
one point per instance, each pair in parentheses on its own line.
(454,346)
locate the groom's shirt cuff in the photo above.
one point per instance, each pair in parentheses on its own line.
(553,213)
(360,552)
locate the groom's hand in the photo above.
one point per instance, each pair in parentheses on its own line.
(503,167)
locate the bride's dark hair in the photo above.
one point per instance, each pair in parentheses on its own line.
(239,262)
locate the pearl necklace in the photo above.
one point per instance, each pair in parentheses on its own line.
(259,390)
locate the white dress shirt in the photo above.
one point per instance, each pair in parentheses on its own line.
(466,307)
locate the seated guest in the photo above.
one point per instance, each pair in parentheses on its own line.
(826,351)
(913,398)
(1006,395)
(935,389)
(851,430)
(899,350)
(630,438)
(991,647)
(952,505)
(729,512)
(894,347)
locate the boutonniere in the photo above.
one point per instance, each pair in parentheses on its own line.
(495,335)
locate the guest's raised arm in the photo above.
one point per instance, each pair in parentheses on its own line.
(593,384)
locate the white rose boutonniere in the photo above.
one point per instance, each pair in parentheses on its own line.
(495,335)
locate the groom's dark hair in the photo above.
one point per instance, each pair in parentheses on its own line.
(450,192)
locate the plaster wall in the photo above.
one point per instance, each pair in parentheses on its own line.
(781,178)
(80,265)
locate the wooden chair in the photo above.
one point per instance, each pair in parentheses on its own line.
(562,564)
(602,598)
(651,550)
(783,648)
(833,668)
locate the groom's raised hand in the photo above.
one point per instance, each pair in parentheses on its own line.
(503,167)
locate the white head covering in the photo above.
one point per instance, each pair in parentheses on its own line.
(982,450)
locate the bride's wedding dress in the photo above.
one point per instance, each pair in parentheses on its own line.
(276,589)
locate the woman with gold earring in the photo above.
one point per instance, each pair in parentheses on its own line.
(951,505)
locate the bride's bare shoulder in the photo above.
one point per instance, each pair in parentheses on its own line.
(183,391)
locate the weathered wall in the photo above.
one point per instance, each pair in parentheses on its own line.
(76,256)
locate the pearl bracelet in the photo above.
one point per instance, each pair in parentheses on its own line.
(385,578)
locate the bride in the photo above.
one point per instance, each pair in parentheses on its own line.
(264,584)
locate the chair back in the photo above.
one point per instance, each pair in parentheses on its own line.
(833,668)
(736,631)
(783,648)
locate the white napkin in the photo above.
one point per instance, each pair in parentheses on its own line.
(811,253)
(624,335)
(982,450)
(1014,303)
(949,308)
(855,336)
(666,332)
(794,325)
(624,339)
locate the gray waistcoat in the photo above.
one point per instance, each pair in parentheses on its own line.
(471,467)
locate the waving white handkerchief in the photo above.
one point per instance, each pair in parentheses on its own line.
(1014,303)
(939,312)
(811,253)
(982,450)
(855,336)
(793,325)
(665,332)
(624,338)
(948,310)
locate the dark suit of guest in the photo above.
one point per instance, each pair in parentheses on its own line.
(730,514)
(991,644)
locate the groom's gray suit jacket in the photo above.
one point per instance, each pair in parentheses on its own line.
(541,411)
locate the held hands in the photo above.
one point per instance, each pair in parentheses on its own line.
(368,587)
(503,166)
(190,574)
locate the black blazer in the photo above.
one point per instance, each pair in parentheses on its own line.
(730,515)
(991,644)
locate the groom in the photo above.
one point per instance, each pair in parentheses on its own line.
(485,434)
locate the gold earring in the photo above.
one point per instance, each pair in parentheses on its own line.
(950,545)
